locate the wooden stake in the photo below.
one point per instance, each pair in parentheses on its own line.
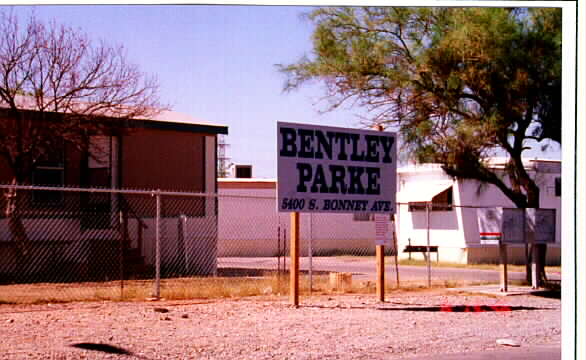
(294,267)
(380,272)
(504,274)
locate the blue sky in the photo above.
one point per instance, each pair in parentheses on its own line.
(217,63)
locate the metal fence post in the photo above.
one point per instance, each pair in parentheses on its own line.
(183,226)
(157,294)
(310,252)
(427,210)
(121,254)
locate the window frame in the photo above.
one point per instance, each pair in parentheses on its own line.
(39,197)
(558,186)
(436,205)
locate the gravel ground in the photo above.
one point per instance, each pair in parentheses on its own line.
(323,327)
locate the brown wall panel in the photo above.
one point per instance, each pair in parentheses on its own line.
(166,160)
(5,172)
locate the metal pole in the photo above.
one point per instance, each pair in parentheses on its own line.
(535,278)
(158,246)
(183,221)
(278,255)
(396,249)
(121,255)
(310,251)
(535,284)
(427,206)
(528,270)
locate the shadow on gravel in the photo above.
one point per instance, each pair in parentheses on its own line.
(551,294)
(106,348)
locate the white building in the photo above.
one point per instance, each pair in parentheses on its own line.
(453,221)
(249,224)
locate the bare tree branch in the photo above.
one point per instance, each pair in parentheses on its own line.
(53,71)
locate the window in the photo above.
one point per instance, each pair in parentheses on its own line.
(49,172)
(97,206)
(98,162)
(558,186)
(441,202)
(363,217)
(367,217)
(244,171)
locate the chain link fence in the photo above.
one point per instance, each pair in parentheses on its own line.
(85,243)
(63,244)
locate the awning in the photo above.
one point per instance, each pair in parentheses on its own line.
(422,193)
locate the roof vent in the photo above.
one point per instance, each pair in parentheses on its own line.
(243,171)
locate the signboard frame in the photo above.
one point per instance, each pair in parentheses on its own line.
(336,170)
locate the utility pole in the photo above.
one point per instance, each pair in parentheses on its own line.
(224,163)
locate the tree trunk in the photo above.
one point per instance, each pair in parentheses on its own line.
(537,250)
(18,232)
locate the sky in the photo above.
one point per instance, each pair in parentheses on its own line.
(217,63)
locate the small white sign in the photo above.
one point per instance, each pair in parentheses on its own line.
(382,230)
(489,225)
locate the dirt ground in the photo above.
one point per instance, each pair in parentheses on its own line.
(323,327)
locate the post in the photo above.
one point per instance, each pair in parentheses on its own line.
(294,268)
(504,275)
(380,261)
(183,222)
(535,278)
(528,257)
(427,206)
(380,272)
(121,255)
(310,253)
(157,293)
(279,256)
(396,249)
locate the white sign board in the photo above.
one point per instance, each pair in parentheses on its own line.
(489,225)
(543,223)
(513,226)
(339,170)
(499,224)
(382,230)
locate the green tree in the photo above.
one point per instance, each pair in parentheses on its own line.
(459,84)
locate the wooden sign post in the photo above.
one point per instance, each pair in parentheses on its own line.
(380,261)
(294,267)
(380,272)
